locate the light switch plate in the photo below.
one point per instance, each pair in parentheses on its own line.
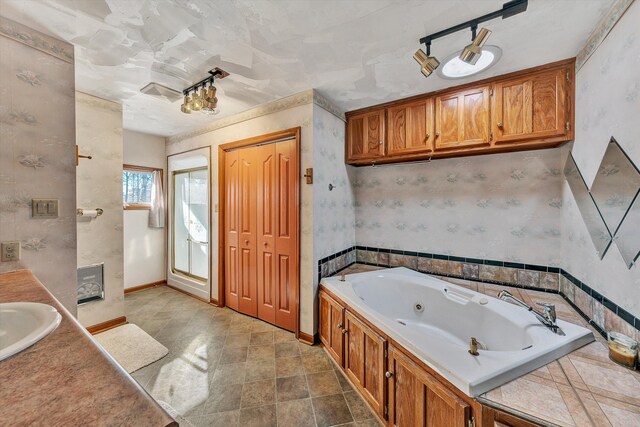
(44,208)
(10,251)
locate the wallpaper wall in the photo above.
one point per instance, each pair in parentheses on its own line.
(607,104)
(299,115)
(503,206)
(99,185)
(37,155)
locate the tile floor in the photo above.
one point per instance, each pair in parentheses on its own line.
(225,369)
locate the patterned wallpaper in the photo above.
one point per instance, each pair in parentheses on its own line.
(502,206)
(607,104)
(99,185)
(37,155)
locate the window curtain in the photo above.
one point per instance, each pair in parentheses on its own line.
(156,213)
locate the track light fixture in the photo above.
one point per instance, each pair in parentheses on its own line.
(428,63)
(473,51)
(203,98)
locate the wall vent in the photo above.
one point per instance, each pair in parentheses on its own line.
(161,91)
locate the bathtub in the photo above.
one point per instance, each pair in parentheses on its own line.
(435,320)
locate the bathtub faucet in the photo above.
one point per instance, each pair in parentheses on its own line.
(547,317)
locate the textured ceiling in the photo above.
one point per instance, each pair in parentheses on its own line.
(356,52)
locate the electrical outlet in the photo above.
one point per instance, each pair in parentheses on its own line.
(10,251)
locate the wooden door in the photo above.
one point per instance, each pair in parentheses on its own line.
(266,229)
(365,136)
(286,234)
(232,249)
(364,361)
(462,119)
(247,230)
(416,398)
(332,327)
(410,128)
(531,107)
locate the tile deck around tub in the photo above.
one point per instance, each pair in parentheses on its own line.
(584,388)
(227,369)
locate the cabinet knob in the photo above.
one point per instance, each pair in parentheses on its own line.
(339,326)
(380,142)
(388,374)
(500,125)
(344,331)
(437,133)
(428,135)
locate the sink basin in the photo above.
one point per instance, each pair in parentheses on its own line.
(23,324)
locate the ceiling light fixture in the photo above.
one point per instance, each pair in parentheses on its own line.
(203,98)
(472,52)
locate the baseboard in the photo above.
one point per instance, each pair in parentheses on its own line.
(307,338)
(109,324)
(145,286)
(187,293)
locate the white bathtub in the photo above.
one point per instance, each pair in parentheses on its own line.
(513,341)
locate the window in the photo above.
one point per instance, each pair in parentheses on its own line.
(137,185)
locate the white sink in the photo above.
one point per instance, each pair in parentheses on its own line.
(23,324)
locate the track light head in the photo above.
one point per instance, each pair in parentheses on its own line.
(428,64)
(472,52)
(186,105)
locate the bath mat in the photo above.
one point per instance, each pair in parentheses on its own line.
(132,347)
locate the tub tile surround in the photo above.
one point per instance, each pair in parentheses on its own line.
(584,388)
(228,369)
(601,313)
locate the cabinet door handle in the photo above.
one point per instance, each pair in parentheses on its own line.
(388,374)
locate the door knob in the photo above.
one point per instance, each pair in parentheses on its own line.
(388,374)
(246,242)
(266,244)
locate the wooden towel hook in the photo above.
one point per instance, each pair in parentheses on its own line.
(80,156)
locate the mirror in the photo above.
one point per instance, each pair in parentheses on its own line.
(628,235)
(596,226)
(615,185)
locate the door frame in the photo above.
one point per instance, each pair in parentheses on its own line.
(270,138)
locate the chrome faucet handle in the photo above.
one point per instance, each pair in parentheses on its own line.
(549,310)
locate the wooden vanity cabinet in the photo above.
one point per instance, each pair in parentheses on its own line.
(364,361)
(410,128)
(416,398)
(331,327)
(366,136)
(463,119)
(532,107)
(494,418)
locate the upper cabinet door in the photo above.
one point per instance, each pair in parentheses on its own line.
(531,107)
(462,119)
(410,128)
(365,136)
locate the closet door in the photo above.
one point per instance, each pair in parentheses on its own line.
(231,257)
(286,228)
(266,244)
(247,229)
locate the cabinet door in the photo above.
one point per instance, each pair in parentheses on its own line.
(462,119)
(494,418)
(364,361)
(332,326)
(410,128)
(416,398)
(365,136)
(531,107)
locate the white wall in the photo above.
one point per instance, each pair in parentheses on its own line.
(607,104)
(144,247)
(99,185)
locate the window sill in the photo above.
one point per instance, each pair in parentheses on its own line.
(137,208)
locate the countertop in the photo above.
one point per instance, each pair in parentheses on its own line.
(66,379)
(581,389)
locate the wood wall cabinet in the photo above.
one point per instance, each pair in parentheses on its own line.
(463,119)
(366,136)
(416,398)
(331,327)
(524,110)
(410,128)
(531,107)
(364,361)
